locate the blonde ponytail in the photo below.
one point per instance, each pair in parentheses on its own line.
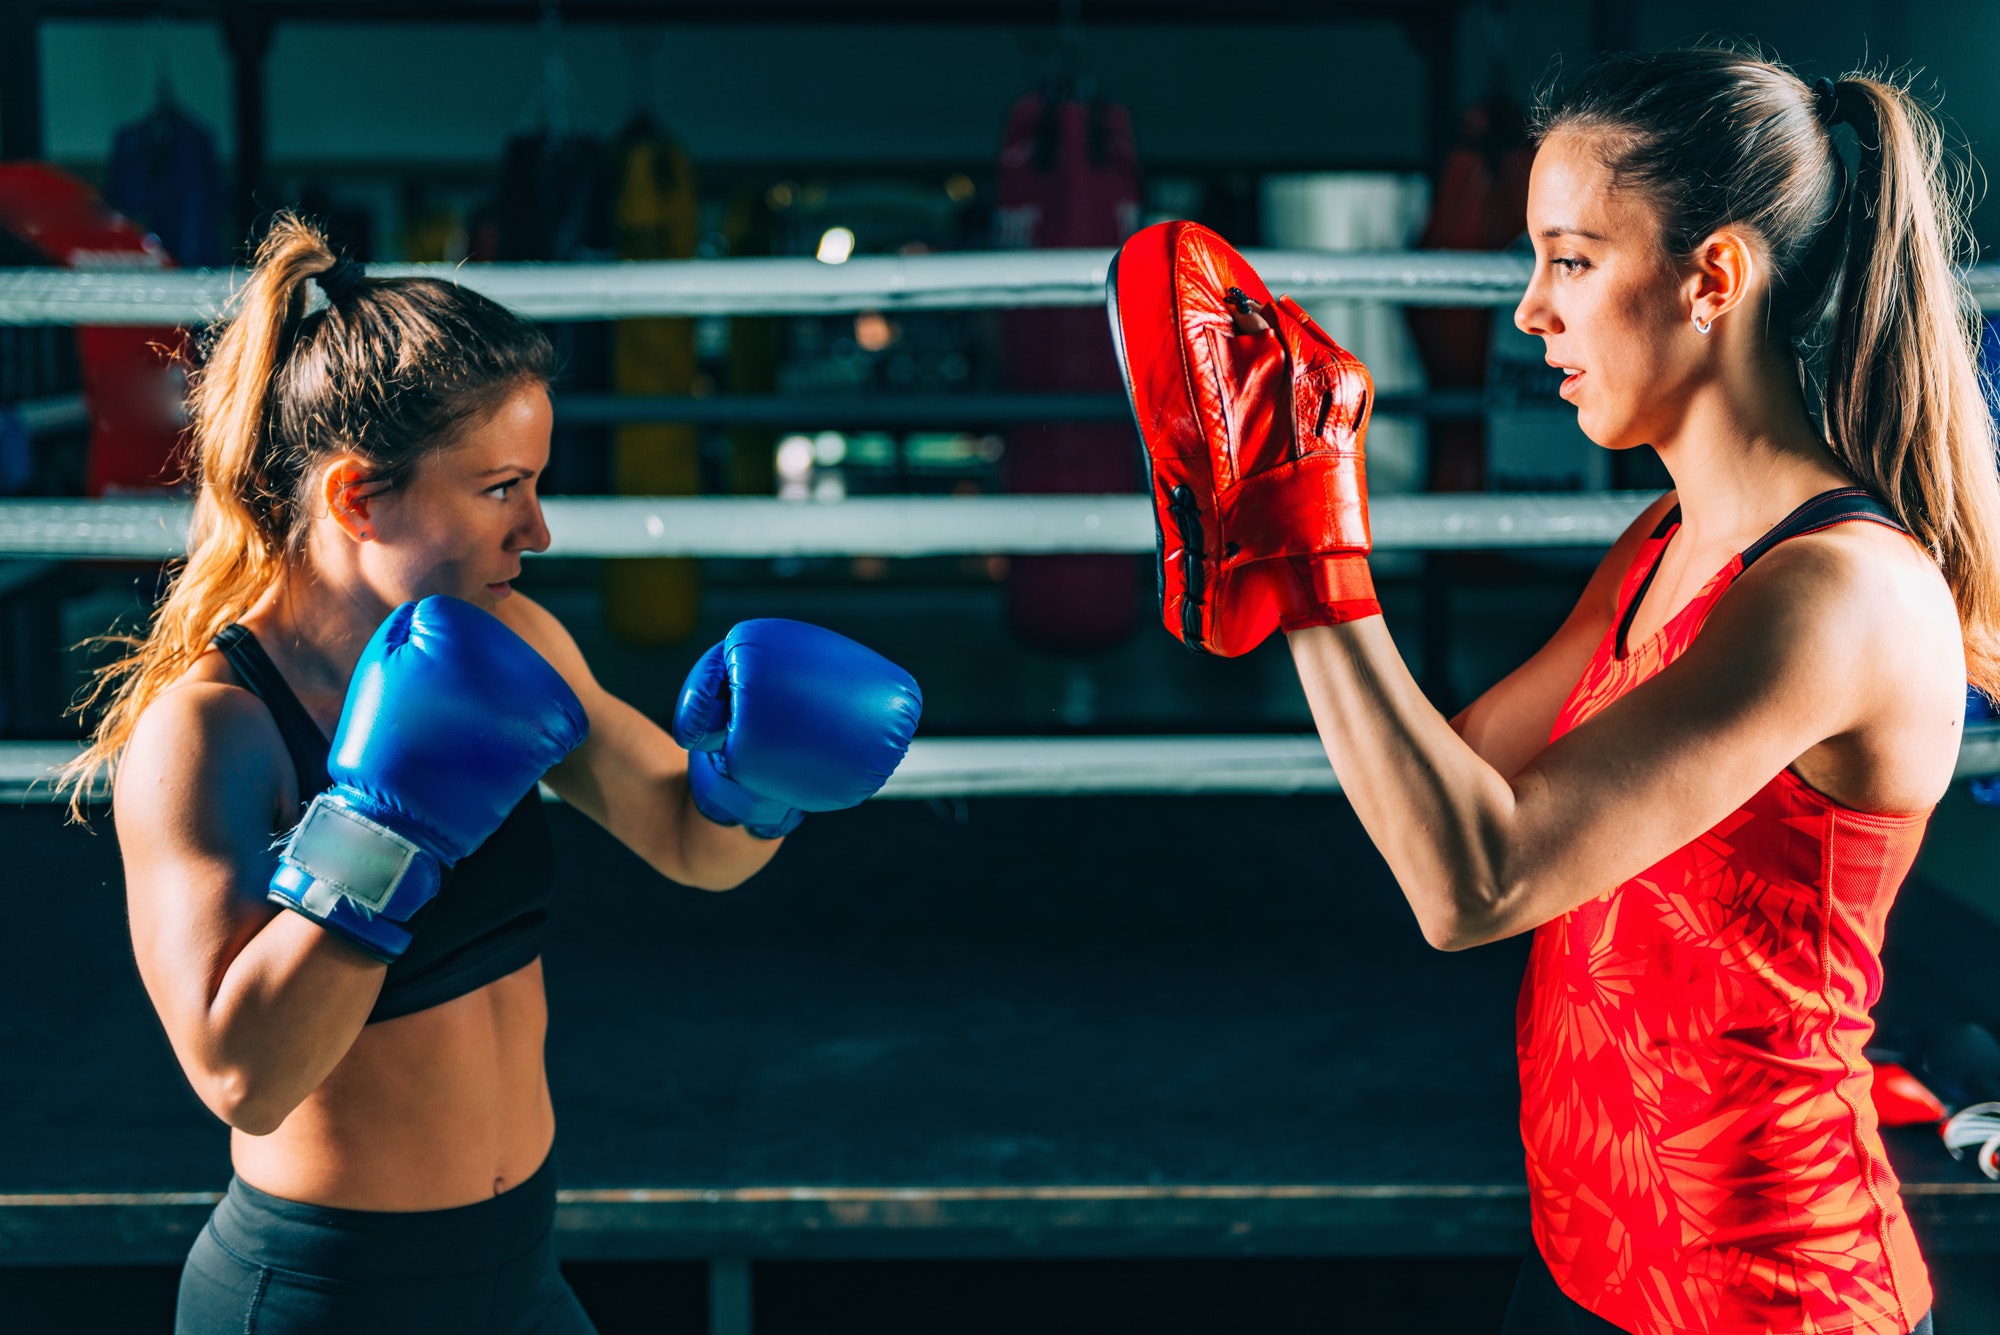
(233,556)
(387,373)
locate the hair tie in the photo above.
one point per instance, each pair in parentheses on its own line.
(1826,101)
(341,280)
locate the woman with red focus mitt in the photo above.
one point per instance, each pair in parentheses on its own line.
(1703,792)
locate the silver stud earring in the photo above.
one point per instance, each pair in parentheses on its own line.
(1702,328)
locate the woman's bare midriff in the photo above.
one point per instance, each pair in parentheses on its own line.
(446,1107)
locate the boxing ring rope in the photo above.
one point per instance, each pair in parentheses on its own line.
(619,527)
(980,280)
(820,412)
(622,527)
(888,526)
(62,412)
(964,767)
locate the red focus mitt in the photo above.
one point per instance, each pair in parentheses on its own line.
(1903,1100)
(1252,421)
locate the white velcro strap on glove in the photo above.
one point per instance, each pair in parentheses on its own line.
(347,856)
(1976,1127)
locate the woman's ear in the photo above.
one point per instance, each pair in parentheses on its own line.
(1725,268)
(345,489)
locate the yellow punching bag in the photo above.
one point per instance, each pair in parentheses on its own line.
(755,349)
(654,601)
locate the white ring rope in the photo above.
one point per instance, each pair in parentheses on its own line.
(64,412)
(976,280)
(819,412)
(631,526)
(960,767)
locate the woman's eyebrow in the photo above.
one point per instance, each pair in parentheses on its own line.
(1551,233)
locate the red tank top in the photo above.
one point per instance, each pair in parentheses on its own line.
(1702,1149)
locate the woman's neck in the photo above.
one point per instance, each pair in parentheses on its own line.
(319,626)
(1742,456)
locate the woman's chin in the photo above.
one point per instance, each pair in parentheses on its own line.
(1606,435)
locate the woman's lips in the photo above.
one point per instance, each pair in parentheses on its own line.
(1569,383)
(501,590)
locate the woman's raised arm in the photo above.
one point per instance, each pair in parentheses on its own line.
(260,1005)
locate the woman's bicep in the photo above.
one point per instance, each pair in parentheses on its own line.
(629,776)
(192,803)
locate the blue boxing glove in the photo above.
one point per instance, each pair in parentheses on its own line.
(450,719)
(1985,788)
(783,718)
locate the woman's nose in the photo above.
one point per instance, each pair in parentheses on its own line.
(1532,315)
(533,533)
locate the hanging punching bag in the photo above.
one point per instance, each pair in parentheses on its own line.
(1480,203)
(653,601)
(553,201)
(1069,177)
(756,349)
(132,380)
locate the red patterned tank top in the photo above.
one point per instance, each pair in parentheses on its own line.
(1702,1150)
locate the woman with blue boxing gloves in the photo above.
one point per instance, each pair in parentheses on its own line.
(343,939)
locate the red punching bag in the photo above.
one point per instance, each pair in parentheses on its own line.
(1481,203)
(132,382)
(1069,177)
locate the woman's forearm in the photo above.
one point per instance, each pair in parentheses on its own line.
(1438,812)
(284,1014)
(712,856)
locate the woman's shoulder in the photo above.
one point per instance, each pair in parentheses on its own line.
(1645,526)
(1866,596)
(206,697)
(201,735)
(1860,621)
(1881,568)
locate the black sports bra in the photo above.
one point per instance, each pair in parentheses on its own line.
(1823,511)
(492,914)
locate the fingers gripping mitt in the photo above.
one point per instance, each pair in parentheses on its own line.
(1253,443)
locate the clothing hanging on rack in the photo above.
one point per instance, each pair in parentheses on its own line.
(164,174)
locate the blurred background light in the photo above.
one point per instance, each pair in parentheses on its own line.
(836,244)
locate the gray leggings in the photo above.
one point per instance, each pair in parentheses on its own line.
(268,1266)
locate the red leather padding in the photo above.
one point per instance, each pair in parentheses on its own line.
(1253,442)
(1901,1099)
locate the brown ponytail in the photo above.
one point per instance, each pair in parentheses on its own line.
(388,371)
(1904,410)
(1717,138)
